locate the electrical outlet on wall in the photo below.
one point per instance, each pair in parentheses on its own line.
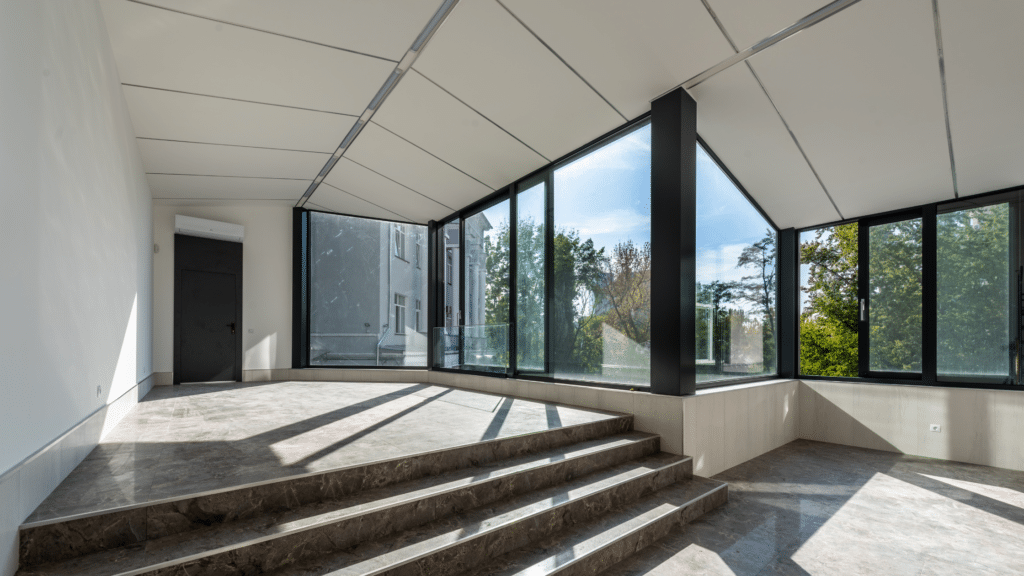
(99,390)
(935,428)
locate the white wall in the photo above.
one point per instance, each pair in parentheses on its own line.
(266,282)
(75,245)
(724,427)
(977,426)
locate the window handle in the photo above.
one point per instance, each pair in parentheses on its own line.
(863,310)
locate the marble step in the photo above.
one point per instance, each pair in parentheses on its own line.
(256,544)
(60,539)
(459,543)
(594,546)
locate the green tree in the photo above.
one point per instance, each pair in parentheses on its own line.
(973,291)
(575,325)
(829,321)
(759,289)
(530,294)
(625,290)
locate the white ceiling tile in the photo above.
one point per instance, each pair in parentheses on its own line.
(163,49)
(385,28)
(367,185)
(738,123)
(163,157)
(488,60)
(631,52)
(397,159)
(335,200)
(982,44)
(750,21)
(455,133)
(166,186)
(862,92)
(176,116)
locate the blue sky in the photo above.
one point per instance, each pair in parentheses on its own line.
(606,196)
(726,223)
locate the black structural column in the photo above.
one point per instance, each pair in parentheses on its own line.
(673,243)
(300,288)
(788,301)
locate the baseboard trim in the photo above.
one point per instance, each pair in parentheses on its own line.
(26,484)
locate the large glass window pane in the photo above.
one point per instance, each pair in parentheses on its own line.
(974,292)
(447,341)
(485,334)
(829,321)
(736,258)
(530,283)
(361,286)
(601,308)
(894,297)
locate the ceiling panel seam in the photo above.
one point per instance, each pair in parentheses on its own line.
(238,100)
(945,99)
(811,19)
(562,60)
(234,145)
(235,24)
(721,27)
(396,182)
(795,141)
(757,78)
(367,201)
(377,124)
(225,176)
(484,116)
(401,69)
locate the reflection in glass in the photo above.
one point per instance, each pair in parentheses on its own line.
(894,305)
(736,258)
(361,285)
(447,340)
(530,285)
(973,291)
(601,307)
(485,334)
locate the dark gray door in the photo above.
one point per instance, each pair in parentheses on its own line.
(207,310)
(209,326)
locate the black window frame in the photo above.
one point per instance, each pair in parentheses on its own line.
(929,324)
(302,241)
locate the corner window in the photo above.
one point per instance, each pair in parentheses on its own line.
(736,256)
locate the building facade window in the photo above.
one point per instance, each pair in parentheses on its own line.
(419,310)
(356,292)
(399,314)
(400,241)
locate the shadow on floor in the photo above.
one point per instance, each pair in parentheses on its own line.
(780,500)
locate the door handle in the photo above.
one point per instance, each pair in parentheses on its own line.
(863,310)
(232,325)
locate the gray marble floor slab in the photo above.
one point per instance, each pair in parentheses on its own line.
(188,439)
(811,508)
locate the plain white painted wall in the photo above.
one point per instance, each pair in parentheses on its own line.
(266,282)
(75,229)
(975,426)
(75,249)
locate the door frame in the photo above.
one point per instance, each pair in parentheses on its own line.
(206,255)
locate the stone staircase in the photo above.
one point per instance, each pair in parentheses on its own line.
(569,500)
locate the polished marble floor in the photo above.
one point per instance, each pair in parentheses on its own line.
(811,508)
(195,438)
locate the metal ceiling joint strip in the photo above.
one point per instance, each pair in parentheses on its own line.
(396,76)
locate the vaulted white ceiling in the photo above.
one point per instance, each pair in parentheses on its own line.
(326,102)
